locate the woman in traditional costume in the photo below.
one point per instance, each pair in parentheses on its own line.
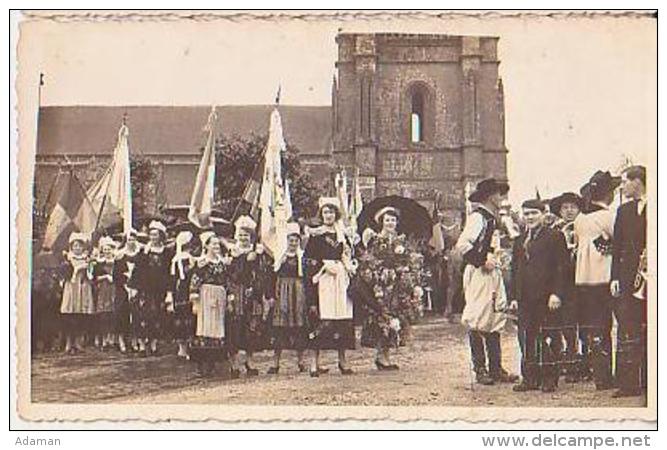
(182,265)
(125,292)
(330,266)
(153,282)
(77,305)
(290,311)
(390,269)
(105,293)
(208,295)
(251,283)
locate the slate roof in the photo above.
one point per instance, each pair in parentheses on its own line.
(164,130)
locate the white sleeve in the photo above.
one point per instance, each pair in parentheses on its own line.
(609,224)
(473,228)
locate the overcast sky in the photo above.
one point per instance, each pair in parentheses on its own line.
(578,93)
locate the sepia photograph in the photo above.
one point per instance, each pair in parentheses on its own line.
(282,215)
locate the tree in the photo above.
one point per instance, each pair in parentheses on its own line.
(236,158)
(144,181)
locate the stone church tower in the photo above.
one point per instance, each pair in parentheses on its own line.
(418,114)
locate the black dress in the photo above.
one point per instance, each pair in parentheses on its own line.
(289,315)
(182,323)
(250,284)
(153,280)
(326,334)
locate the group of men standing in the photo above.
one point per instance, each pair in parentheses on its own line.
(568,279)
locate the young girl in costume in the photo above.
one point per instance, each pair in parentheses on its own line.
(77,305)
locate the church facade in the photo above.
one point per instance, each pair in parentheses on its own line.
(416,114)
(419,114)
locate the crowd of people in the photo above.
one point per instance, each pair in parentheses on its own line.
(218,298)
(575,264)
(562,269)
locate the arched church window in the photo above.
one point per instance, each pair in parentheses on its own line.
(417,117)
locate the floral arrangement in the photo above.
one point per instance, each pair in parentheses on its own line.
(391,269)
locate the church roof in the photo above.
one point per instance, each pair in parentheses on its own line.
(164,130)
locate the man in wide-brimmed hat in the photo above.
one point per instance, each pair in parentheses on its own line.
(628,273)
(483,286)
(594,231)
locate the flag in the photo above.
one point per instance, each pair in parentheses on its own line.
(289,212)
(356,202)
(201,201)
(278,95)
(272,197)
(111,195)
(340,183)
(251,191)
(71,212)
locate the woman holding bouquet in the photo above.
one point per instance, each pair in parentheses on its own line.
(330,265)
(390,277)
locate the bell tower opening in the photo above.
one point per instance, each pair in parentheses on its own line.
(417,118)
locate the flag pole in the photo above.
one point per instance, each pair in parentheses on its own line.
(106,191)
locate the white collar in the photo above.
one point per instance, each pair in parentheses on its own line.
(149,248)
(600,204)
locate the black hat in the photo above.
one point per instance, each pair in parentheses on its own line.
(487,188)
(567,197)
(636,172)
(534,204)
(602,183)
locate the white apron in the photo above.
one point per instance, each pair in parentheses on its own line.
(334,302)
(485,298)
(211,313)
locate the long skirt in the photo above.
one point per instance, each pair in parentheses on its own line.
(104,307)
(77,297)
(377,332)
(106,293)
(133,307)
(332,335)
(183,322)
(211,312)
(289,316)
(151,313)
(245,328)
(333,329)
(122,312)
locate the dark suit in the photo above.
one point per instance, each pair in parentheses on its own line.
(539,269)
(628,245)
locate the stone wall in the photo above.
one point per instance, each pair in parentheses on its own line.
(463,113)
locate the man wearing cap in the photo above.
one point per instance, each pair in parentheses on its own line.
(629,283)
(567,207)
(594,231)
(483,286)
(539,280)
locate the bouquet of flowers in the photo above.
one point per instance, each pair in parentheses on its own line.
(391,269)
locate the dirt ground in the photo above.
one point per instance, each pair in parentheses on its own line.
(434,370)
